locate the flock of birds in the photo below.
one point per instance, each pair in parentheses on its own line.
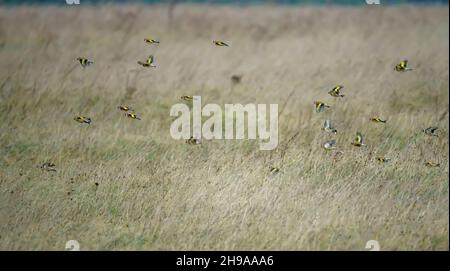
(319,107)
(359,139)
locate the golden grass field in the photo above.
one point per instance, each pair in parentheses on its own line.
(124,184)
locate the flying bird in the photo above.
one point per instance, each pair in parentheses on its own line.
(84,61)
(220,43)
(328,128)
(431,164)
(274,170)
(187,98)
(193,141)
(148,63)
(133,116)
(125,108)
(329,145)
(377,119)
(402,66)
(320,106)
(336,91)
(82,119)
(358,142)
(48,166)
(431,131)
(150,41)
(383,159)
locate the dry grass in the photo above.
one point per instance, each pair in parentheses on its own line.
(156,193)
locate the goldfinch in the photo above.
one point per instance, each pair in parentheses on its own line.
(220,43)
(274,170)
(133,116)
(431,131)
(383,159)
(358,142)
(125,108)
(193,141)
(150,41)
(377,119)
(403,66)
(187,98)
(48,166)
(328,128)
(82,119)
(329,145)
(148,63)
(431,164)
(336,91)
(320,106)
(84,61)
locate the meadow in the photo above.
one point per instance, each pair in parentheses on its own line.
(125,184)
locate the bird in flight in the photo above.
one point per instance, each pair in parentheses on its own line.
(133,116)
(378,120)
(383,159)
(82,119)
(432,164)
(402,66)
(358,142)
(125,108)
(187,98)
(193,141)
(48,166)
(431,131)
(327,127)
(336,91)
(220,43)
(329,145)
(150,41)
(320,106)
(84,61)
(148,63)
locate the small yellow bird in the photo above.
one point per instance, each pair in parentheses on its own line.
(193,141)
(125,108)
(133,116)
(82,119)
(377,119)
(329,145)
(150,41)
(358,142)
(274,170)
(336,91)
(148,63)
(320,106)
(402,66)
(48,166)
(84,61)
(220,43)
(431,131)
(431,164)
(383,159)
(187,98)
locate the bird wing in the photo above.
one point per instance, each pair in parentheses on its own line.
(327,124)
(150,59)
